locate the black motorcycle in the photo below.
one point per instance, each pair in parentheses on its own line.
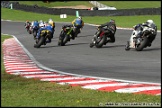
(66,35)
(100,39)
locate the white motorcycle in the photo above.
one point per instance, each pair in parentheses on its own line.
(139,42)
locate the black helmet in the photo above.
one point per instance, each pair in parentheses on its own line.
(63,26)
(111,20)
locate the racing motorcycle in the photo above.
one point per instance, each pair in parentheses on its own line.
(66,34)
(28,28)
(45,34)
(139,40)
(99,40)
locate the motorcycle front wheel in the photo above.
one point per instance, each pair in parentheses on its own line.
(100,42)
(63,39)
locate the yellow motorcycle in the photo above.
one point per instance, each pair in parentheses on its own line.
(45,34)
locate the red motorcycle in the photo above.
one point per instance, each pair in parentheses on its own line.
(28,28)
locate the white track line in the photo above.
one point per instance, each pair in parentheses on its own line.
(83,82)
(137,89)
(63,78)
(97,86)
(43,76)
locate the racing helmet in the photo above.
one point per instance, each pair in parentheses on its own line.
(150,22)
(80,17)
(41,25)
(111,20)
(41,21)
(45,23)
(50,20)
(27,20)
(36,21)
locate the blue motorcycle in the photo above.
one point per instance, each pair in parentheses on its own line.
(35,31)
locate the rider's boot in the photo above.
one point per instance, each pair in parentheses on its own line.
(149,44)
(107,41)
(48,41)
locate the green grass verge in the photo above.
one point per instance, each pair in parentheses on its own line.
(17,91)
(121,21)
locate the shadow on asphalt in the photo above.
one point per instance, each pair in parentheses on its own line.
(113,46)
(85,36)
(63,46)
(151,49)
(68,44)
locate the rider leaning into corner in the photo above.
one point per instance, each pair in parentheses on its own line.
(47,28)
(78,22)
(35,23)
(50,21)
(151,25)
(109,27)
(41,23)
(27,23)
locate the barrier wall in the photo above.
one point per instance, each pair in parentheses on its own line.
(83,12)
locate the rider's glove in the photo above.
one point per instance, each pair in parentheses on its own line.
(99,27)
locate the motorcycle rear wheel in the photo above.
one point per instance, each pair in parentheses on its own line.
(39,42)
(142,44)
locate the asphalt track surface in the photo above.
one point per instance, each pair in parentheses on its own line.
(110,61)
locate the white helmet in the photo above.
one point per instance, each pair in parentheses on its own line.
(80,17)
(41,25)
(49,20)
(150,21)
(40,21)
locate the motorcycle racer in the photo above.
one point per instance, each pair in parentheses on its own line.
(50,21)
(27,24)
(153,28)
(35,23)
(48,28)
(41,24)
(109,27)
(71,31)
(78,22)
